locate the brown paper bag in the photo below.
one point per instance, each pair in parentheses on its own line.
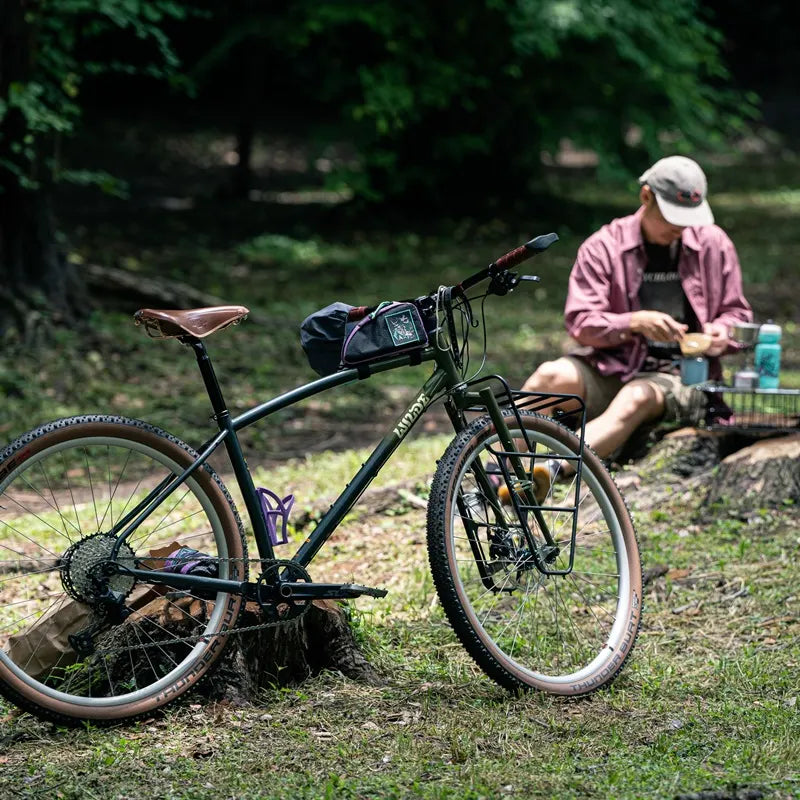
(46,645)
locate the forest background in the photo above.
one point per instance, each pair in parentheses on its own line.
(290,154)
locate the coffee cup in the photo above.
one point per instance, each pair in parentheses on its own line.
(694,370)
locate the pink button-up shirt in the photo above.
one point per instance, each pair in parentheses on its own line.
(604,291)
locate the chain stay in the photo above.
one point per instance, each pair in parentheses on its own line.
(235,631)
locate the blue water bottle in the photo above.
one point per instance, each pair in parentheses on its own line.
(768,355)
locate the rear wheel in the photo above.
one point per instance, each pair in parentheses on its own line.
(566,634)
(62,488)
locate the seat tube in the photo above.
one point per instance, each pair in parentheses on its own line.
(209,377)
(232,445)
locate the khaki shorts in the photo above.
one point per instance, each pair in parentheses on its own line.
(682,404)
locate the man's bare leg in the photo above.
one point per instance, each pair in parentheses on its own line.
(560,377)
(636,402)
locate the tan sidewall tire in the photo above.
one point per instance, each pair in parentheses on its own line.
(141,433)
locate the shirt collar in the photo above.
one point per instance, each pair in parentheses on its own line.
(632,233)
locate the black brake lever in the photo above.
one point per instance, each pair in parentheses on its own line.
(505,282)
(502,283)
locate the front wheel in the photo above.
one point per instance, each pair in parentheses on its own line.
(63,487)
(566,634)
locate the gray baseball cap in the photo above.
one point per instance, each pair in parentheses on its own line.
(680,188)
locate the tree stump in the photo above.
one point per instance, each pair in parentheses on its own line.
(288,654)
(765,474)
(673,469)
(281,655)
(704,469)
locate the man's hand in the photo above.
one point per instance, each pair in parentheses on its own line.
(719,338)
(657,326)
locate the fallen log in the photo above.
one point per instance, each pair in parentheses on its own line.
(135,290)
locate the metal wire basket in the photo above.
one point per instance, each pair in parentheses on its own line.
(750,409)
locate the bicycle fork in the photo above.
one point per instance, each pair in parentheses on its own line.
(539,555)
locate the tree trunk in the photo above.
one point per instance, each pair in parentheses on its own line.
(251,97)
(36,282)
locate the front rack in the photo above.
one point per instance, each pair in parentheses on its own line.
(749,410)
(538,402)
(542,549)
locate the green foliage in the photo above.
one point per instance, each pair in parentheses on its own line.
(436,93)
(42,101)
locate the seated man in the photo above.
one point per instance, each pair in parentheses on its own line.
(638,285)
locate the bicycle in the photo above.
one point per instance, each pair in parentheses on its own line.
(543,593)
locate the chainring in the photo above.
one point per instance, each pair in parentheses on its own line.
(282,609)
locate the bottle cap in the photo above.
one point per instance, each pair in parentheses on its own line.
(769,332)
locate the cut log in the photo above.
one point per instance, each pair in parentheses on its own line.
(699,467)
(764,475)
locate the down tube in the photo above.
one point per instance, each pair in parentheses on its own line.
(370,468)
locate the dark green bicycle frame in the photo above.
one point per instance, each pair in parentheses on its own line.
(445,378)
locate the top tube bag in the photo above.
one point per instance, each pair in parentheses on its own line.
(391,329)
(331,342)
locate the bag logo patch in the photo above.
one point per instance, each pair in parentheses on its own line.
(402,328)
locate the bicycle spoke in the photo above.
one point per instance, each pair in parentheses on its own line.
(57,512)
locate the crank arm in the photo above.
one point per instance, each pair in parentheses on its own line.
(301,590)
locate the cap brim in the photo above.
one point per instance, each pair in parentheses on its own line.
(685,216)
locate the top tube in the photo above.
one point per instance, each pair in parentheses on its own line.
(340,378)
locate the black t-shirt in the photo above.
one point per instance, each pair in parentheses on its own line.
(661,290)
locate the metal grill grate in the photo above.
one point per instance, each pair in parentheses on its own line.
(751,409)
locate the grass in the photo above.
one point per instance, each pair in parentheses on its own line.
(709,702)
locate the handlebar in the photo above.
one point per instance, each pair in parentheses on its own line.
(496,271)
(522,253)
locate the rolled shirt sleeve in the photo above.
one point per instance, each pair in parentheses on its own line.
(592,296)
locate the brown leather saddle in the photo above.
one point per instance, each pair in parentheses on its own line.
(196,322)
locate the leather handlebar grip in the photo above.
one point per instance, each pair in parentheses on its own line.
(514,257)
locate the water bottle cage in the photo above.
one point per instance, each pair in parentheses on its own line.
(276,515)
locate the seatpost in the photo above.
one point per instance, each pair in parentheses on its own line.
(209,378)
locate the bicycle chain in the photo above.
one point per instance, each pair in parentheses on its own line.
(235,631)
(197,637)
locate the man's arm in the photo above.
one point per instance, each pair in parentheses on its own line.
(733,306)
(591,314)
